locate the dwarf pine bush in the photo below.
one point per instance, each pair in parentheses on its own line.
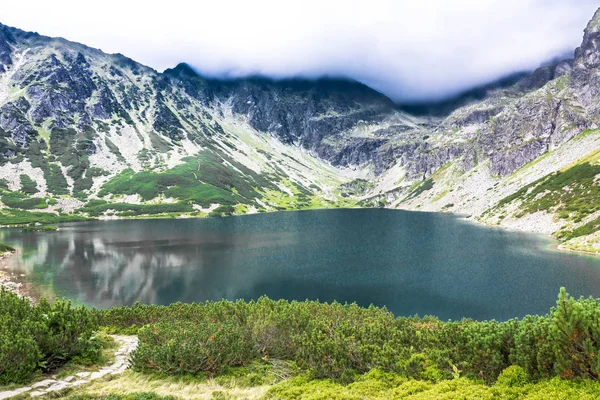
(40,337)
(342,341)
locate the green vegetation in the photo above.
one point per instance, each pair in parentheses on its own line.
(56,181)
(131,396)
(582,230)
(419,188)
(4,248)
(85,181)
(22,217)
(40,228)
(28,185)
(20,200)
(189,348)
(42,337)
(222,211)
(356,187)
(96,208)
(378,385)
(205,180)
(202,180)
(274,383)
(573,191)
(573,194)
(310,350)
(341,342)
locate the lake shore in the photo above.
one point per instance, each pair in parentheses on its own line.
(12,282)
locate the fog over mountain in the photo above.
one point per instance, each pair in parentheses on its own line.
(410,51)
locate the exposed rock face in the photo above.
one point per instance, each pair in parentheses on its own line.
(585,77)
(6,40)
(309,114)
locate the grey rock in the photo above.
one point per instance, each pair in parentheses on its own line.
(12,393)
(57,386)
(43,384)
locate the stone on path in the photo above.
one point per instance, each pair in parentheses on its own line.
(57,386)
(43,384)
(11,393)
(126,345)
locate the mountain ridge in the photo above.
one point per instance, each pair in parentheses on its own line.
(102,135)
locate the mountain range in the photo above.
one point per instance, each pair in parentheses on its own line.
(84,134)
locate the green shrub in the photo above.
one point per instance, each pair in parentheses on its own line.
(56,181)
(574,333)
(20,200)
(28,185)
(513,376)
(342,341)
(486,349)
(222,211)
(91,348)
(43,336)
(19,353)
(190,348)
(532,347)
(66,331)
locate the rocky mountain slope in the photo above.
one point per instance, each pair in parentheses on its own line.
(84,133)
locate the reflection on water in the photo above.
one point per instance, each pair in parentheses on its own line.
(410,262)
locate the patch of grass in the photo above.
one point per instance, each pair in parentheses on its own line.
(40,228)
(425,185)
(22,201)
(21,217)
(114,396)
(573,194)
(203,180)
(97,208)
(180,387)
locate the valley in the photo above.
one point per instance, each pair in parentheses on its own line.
(84,134)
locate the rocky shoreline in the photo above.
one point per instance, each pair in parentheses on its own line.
(14,282)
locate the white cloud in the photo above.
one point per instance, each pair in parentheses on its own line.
(408,49)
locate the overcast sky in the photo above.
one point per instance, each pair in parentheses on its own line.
(407,49)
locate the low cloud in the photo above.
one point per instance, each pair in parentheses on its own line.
(409,50)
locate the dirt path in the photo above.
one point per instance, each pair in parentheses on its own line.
(126,345)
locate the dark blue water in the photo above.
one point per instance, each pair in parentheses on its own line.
(412,263)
